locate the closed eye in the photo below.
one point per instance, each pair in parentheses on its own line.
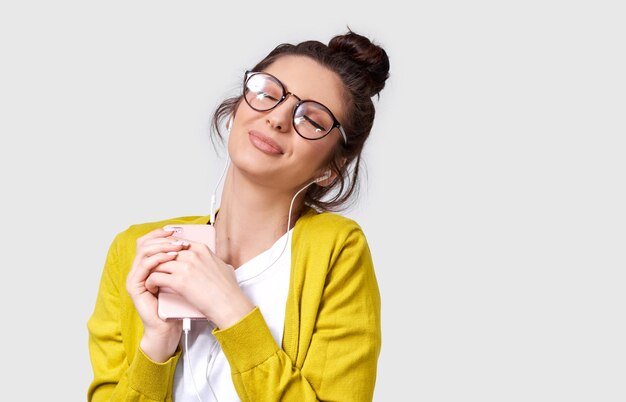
(263,95)
(317,127)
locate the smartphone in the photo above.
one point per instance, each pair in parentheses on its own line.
(171,305)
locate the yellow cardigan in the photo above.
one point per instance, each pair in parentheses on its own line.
(331,340)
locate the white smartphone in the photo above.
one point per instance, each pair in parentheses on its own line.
(171,305)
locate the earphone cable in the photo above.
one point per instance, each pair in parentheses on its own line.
(186,328)
(287,237)
(215,191)
(211,358)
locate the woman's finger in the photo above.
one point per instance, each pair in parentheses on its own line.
(142,267)
(164,245)
(159,279)
(155,234)
(170,266)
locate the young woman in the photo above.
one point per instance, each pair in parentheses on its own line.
(290,295)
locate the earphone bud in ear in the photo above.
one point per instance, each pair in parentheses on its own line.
(325,176)
(229,125)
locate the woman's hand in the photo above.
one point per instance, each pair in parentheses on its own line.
(160,337)
(206,282)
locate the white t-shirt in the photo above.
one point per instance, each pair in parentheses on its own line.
(266,285)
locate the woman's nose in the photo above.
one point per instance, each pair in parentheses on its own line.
(280,118)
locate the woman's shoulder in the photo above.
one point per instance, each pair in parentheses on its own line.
(329,222)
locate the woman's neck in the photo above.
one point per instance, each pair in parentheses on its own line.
(251,218)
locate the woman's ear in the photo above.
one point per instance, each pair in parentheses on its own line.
(326,178)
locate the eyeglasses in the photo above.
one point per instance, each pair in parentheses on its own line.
(312,120)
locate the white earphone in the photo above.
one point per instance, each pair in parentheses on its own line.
(323,177)
(229,125)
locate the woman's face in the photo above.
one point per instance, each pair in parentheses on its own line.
(265,146)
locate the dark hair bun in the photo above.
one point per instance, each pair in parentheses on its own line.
(367,55)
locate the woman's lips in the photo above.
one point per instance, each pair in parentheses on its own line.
(264,143)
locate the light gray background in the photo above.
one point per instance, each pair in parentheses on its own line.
(495,199)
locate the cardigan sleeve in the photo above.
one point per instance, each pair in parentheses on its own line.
(341,360)
(117,377)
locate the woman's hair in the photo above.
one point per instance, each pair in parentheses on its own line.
(363,68)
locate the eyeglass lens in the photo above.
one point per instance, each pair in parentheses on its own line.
(310,119)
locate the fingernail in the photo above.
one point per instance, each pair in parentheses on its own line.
(179,243)
(169,229)
(172,252)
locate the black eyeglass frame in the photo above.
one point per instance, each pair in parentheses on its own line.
(249,74)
